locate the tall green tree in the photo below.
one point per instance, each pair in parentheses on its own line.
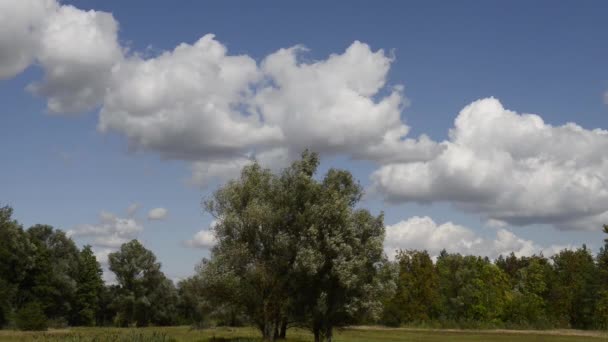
(291,248)
(89,288)
(252,253)
(417,294)
(341,257)
(144,295)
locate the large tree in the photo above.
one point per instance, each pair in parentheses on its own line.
(250,261)
(340,259)
(290,247)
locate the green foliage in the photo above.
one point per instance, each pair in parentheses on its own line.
(294,248)
(144,295)
(472,288)
(89,288)
(417,296)
(52,280)
(574,288)
(15,262)
(527,301)
(31,317)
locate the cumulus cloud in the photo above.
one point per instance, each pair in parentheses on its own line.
(511,168)
(111,231)
(333,105)
(158,214)
(203,172)
(21,25)
(199,103)
(132,209)
(76,50)
(424,234)
(186,103)
(204,239)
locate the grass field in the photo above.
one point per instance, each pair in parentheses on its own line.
(362,334)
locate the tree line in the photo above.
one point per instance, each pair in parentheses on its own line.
(294,250)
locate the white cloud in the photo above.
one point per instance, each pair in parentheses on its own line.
(111,231)
(201,104)
(158,214)
(21,23)
(102,255)
(132,209)
(76,50)
(334,105)
(185,103)
(510,167)
(204,239)
(424,234)
(203,172)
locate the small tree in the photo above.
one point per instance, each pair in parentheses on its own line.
(31,318)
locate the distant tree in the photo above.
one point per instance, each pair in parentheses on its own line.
(52,281)
(16,261)
(511,265)
(191,303)
(144,296)
(417,295)
(601,310)
(574,288)
(89,288)
(472,288)
(527,301)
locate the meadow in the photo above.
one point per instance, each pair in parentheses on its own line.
(357,334)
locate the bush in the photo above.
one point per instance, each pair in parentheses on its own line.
(31,317)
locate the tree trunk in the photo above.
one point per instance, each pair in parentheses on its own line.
(283,332)
(317,333)
(329,333)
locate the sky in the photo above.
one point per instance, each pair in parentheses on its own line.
(476,126)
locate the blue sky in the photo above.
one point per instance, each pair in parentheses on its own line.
(540,57)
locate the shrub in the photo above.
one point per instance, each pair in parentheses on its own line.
(31,317)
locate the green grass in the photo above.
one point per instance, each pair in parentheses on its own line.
(363,334)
